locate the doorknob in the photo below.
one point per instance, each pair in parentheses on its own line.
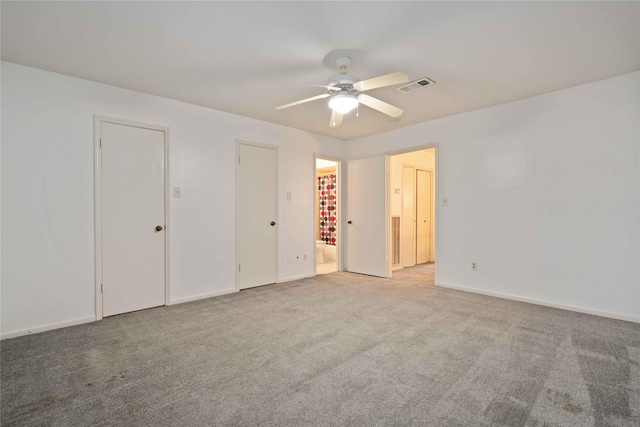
(348,222)
(158,228)
(273,223)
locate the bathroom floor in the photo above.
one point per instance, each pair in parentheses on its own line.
(326,267)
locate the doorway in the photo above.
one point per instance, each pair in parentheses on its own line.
(131,215)
(413,209)
(256,222)
(327,215)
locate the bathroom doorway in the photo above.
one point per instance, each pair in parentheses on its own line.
(412,208)
(327,214)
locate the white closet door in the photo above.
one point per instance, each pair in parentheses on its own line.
(256,215)
(133,218)
(423,216)
(408,253)
(366,211)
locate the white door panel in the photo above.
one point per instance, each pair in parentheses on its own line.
(423,216)
(257,172)
(408,253)
(133,205)
(366,226)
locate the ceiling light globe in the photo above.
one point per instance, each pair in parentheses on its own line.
(343,102)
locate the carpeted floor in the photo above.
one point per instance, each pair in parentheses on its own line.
(338,349)
(326,267)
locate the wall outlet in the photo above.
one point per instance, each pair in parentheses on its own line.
(474,266)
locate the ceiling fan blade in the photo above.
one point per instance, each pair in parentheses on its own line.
(336,119)
(302,101)
(382,81)
(381,106)
(326,87)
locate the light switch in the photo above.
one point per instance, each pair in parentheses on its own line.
(177,192)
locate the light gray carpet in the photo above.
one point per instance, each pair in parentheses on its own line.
(338,349)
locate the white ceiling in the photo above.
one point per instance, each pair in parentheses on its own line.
(249,57)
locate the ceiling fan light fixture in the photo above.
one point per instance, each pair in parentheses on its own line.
(343,102)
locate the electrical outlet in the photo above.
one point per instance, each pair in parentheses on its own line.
(474,266)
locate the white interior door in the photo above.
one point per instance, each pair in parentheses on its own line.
(408,252)
(423,216)
(366,222)
(256,211)
(133,218)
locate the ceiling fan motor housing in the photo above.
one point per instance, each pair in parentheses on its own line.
(343,81)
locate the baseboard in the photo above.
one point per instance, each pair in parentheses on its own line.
(294,278)
(202,296)
(601,313)
(47,327)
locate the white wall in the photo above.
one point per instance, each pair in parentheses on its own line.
(543,195)
(47,192)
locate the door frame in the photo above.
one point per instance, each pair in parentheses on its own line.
(338,208)
(277,191)
(436,208)
(97,182)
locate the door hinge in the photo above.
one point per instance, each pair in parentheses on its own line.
(102,288)
(100,142)
(238,268)
(238,159)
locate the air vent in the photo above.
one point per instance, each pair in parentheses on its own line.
(395,239)
(415,85)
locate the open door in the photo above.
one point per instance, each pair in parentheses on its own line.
(366,221)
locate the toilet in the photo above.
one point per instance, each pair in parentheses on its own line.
(320,244)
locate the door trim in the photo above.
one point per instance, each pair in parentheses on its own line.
(97,181)
(277,149)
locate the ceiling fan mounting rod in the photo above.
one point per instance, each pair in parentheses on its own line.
(343,62)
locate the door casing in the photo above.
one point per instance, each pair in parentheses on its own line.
(97,167)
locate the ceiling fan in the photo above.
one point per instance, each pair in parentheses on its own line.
(344,91)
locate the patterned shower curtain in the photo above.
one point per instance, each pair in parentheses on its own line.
(327,191)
